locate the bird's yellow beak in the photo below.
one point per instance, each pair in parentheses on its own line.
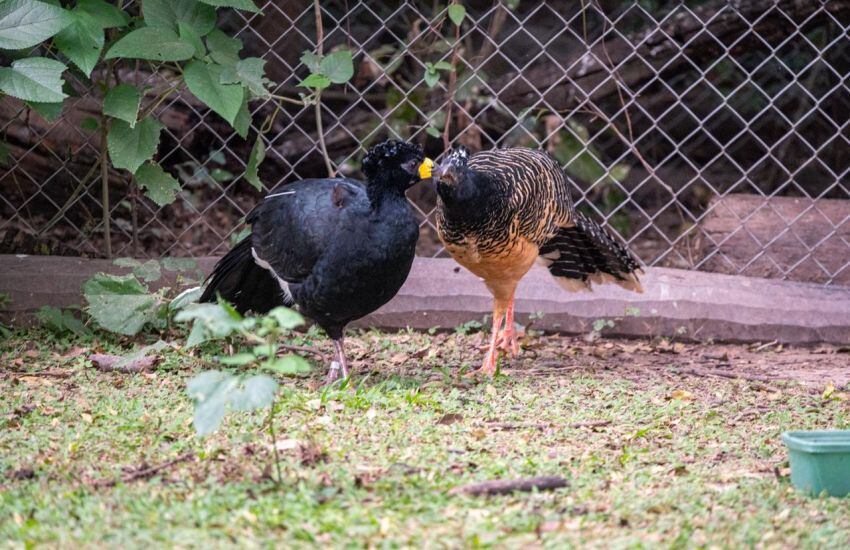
(426,169)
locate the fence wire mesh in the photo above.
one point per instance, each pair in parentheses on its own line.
(708,135)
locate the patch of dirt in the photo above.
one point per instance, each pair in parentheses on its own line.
(549,355)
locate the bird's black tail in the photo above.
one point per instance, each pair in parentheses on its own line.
(585,253)
(238,279)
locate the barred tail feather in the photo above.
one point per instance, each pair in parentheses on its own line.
(585,254)
(238,279)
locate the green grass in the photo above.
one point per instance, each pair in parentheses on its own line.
(372,465)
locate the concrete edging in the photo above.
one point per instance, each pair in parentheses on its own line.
(687,304)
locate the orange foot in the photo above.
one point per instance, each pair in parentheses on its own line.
(508,341)
(488,367)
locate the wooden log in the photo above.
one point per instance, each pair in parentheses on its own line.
(805,240)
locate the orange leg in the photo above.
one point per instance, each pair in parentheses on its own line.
(489,365)
(508,340)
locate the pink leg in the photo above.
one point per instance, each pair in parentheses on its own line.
(489,365)
(508,340)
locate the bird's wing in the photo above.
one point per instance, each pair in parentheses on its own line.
(293,226)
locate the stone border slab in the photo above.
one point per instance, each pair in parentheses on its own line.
(438,293)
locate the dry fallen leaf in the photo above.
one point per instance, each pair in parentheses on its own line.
(399,358)
(682,395)
(450,418)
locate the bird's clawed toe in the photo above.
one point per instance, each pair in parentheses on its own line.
(508,341)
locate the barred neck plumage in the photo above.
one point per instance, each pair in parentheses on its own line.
(472,198)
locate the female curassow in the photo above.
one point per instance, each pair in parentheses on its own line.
(335,248)
(499,211)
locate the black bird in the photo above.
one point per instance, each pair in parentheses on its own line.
(336,248)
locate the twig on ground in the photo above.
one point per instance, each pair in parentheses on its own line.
(113,363)
(304,349)
(702,373)
(143,472)
(45,373)
(507,486)
(545,425)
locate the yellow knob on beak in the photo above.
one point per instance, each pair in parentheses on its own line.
(426,169)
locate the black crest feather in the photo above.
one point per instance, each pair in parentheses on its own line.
(388,153)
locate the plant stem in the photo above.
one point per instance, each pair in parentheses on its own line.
(320,36)
(104,186)
(274,442)
(452,89)
(287,99)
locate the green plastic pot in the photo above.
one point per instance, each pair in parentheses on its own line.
(820,461)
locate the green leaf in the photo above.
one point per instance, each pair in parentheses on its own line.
(431,76)
(311,61)
(456,13)
(224,50)
(204,81)
(129,147)
(48,111)
(34,79)
(215,391)
(264,350)
(158,184)
(188,35)
(211,321)
(286,318)
(122,102)
(25,23)
(246,5)
(243,120)
(107,15)
(120,304)
(257,392)
(337,66)
(148,271)
(211,392)
(433,132)
(170,13)
(61,322)
(258,153)
(443,66)
(81,41)
(179,264)
(90,124)
(237,359)
(250,73)
(188,296)
(153,43)
(288,364)
(315,81)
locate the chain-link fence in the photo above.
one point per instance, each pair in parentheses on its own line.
(709,135)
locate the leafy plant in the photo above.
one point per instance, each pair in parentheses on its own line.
(432,72)
(334,68)
(124,304)
(95,38)
(468,327)
(61,321)
(215,392)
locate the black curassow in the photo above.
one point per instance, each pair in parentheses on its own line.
(500,211)
(336,249)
